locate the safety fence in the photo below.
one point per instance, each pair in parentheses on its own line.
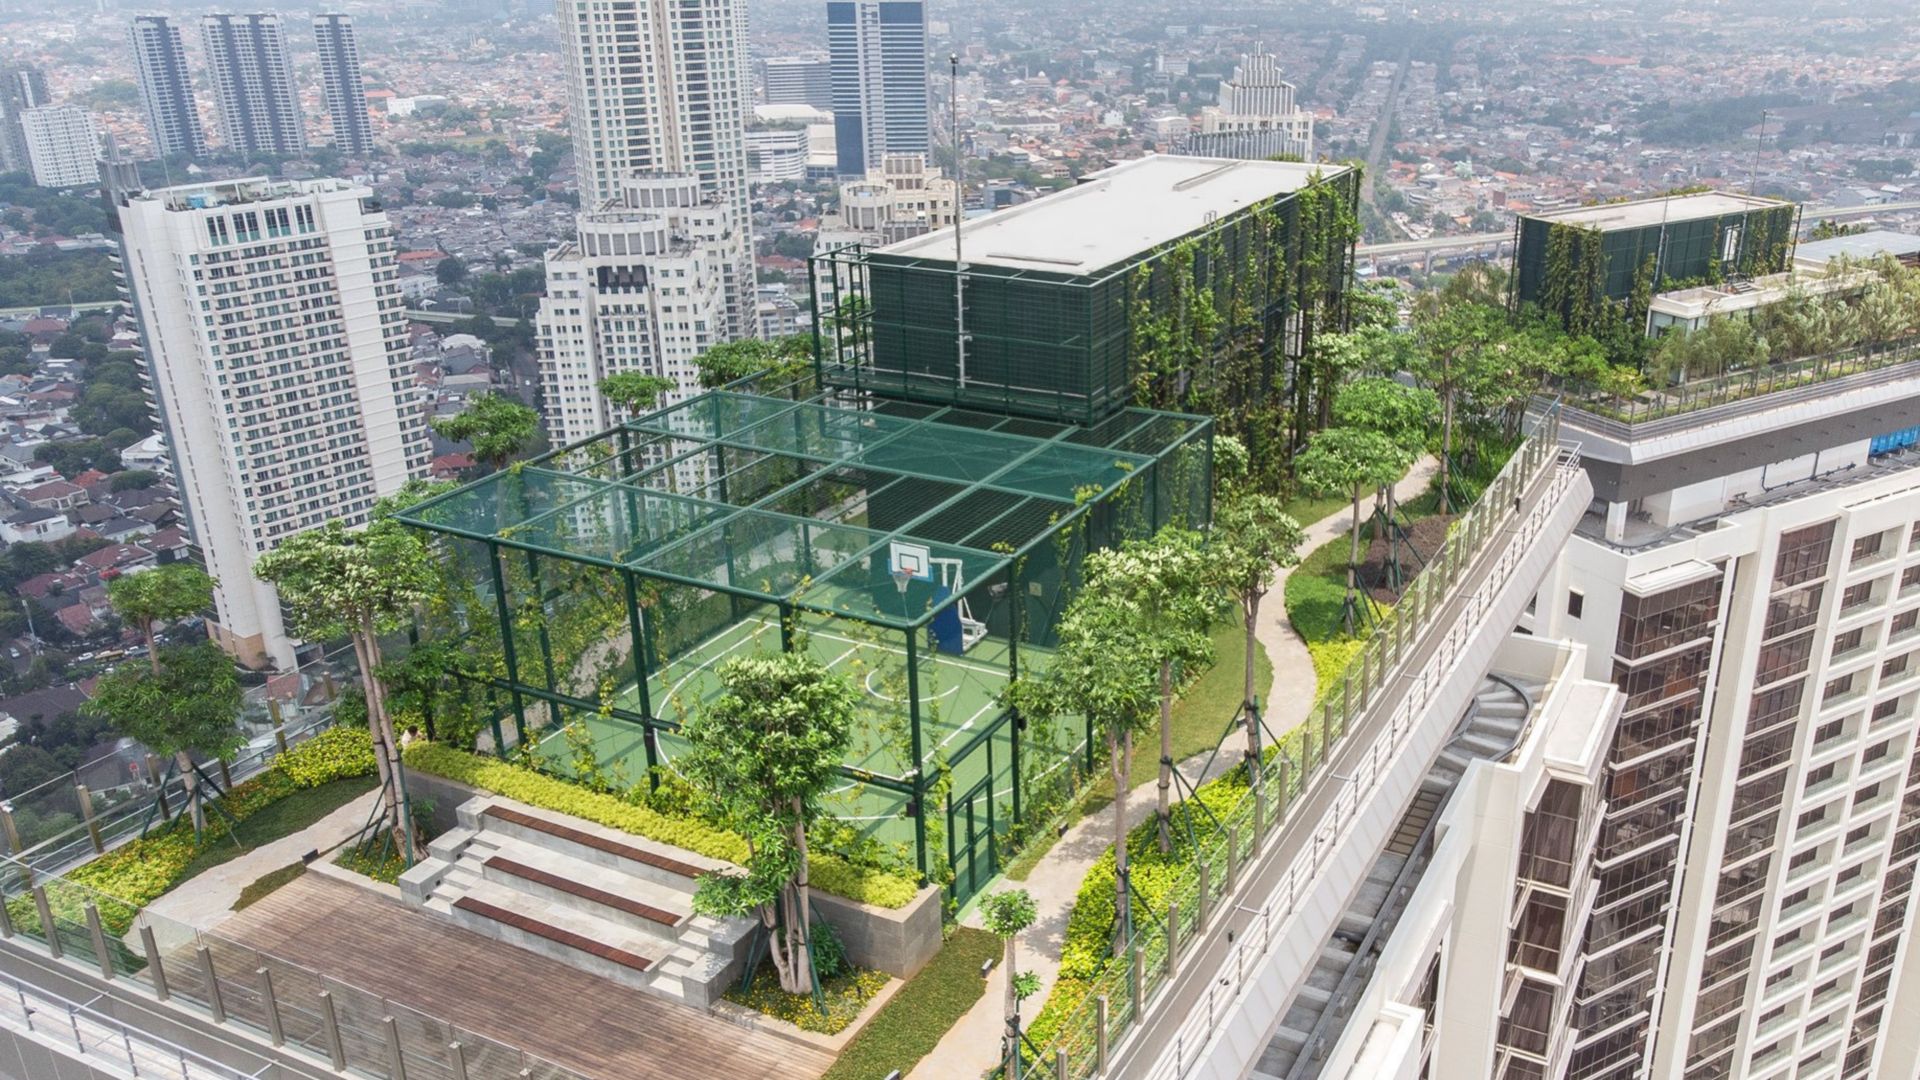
(1126,991)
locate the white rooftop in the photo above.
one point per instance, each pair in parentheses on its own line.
(1116,213)
(1667,208)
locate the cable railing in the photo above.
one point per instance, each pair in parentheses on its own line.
(1123,992)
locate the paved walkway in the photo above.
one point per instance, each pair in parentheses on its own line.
(973,1045)
(207,898)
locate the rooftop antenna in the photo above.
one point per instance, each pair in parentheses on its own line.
(1759,140)
(959,215)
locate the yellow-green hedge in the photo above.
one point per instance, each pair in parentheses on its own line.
(828,872)
(334,754)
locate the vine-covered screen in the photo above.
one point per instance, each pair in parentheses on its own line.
(925,553)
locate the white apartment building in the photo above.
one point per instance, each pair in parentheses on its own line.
(900,198)
(276,350)
(777,155)
(339,51)
(654,87)
(1257,117)
(63,146)
(1707,870)
(641,289)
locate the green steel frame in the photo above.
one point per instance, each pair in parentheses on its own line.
(666,503)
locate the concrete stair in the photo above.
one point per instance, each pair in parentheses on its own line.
(603,901)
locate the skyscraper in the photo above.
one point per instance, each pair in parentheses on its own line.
(340,74)
(1257,117)
(21,88)
(672,108)
(879,56)
(798,80)
(63,146)
(277,354)
(640,290)
(253,83)
(166,89)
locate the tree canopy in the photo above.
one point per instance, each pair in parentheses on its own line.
(496,427)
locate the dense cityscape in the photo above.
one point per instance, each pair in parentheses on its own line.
(602,539)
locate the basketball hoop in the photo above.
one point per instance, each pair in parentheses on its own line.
(900,579)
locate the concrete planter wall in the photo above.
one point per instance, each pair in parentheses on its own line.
(898,941)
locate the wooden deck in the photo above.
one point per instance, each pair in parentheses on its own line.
(579,1021)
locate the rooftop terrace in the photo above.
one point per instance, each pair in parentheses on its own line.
(1116,213)
(1641,213)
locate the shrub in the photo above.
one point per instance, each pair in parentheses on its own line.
(844,995)
(828,872)
(335,754)
(829,954)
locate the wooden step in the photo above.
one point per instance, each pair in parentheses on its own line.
(553,933)
(583,891)
(598,843)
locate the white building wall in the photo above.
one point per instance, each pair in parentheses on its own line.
(280,358)
(63,146)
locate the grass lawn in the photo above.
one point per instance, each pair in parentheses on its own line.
(1307,509)
(1199,716)
(911,1024)
(277,820)
(258,889)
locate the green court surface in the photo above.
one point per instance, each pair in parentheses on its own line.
(958,698)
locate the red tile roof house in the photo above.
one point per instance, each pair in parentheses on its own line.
(55,495)
(119,557)
(77,618)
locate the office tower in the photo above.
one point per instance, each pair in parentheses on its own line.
(166,89)
(21,88)
(277,352)
(673,108)
(340,74)
(798,80)
(879,55)
(641,289)
(253,83)
(1256,118)
(63,146)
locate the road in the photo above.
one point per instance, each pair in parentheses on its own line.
(1476,240)
(444,317)
(1382,127)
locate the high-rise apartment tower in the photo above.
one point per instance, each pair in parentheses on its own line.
(253,83)
(21,88)
(63,146)
(276,347)
(166,89)
(340,76)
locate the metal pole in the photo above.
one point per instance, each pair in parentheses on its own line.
(458,1055)
(1100,1010)
(1173,935)
(330,1028)
(159,973)
(271,1007)
(214,1004)
(99,936)
(959,212)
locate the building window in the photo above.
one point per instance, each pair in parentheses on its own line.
(1576,602)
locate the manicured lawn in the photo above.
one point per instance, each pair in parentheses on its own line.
(274,821)
(1200,715)
(911,1024)
(258,889)
(1307,509)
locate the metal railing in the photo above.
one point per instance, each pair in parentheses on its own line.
(95,1036)
(61,823)
(1255,944)
(1123,992)
(1748,384)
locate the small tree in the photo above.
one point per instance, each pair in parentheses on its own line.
(1252,538)
(145,600)
(363,583)
(735,360)
(497,427)
(1102,669)
(1451,338)
(1352,462)
(451,270)
(764,754)
(1402,413)
(1006,915)
(635,391)
(1170,580)
(185,704)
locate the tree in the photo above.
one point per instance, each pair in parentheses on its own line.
(144,600)
(1102,669)
(635,391)
(1251,539)
(735,360)
(362,584)
(1451,336)
(497,427)
(1006,915)
(451,270)
(1400,412)
(764,754)
(1353,462)
(1169,579)
(184,705)
(133,480)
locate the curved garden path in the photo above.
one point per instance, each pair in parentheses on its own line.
(972,1046)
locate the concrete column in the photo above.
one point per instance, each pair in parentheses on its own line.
(1616,521)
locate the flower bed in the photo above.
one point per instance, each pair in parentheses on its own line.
(828,872)
(844,994)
